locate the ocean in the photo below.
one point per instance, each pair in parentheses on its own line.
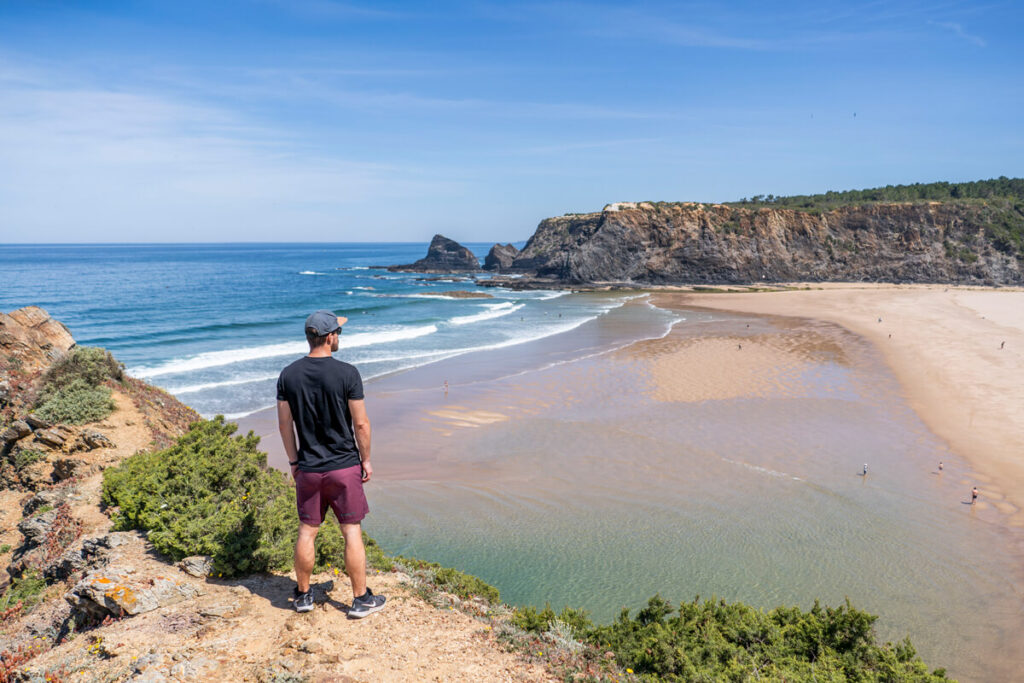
(214,324)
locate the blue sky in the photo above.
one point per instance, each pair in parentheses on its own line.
(315,120)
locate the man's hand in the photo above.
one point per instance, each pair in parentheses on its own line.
(286,426)
(367,471)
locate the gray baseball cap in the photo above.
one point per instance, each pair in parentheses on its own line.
(325,322)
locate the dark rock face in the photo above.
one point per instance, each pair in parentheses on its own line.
(696,243)
(500,257)
(443,256)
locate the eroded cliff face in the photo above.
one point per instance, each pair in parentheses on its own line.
(694,243)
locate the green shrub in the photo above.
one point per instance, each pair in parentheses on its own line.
(90,364)
(529,619)
(212,494)
(73,390)
(715,640)
(76,403)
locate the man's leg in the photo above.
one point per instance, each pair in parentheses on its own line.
(355,557)
(305,555)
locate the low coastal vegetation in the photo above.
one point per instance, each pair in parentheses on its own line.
(997,188)
(999,203)
(211,493)
(74,389)
(720,641)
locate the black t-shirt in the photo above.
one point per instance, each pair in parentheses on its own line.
(318,391)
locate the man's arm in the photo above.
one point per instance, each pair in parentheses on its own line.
(361,428)
(286,426)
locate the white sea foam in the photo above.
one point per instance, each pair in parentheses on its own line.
(213,359)
(529,337)
(310,272)
(492,311)
(193,388)
(529,294)
(439,296)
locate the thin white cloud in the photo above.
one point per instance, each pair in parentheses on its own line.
(324,86)
(960,32)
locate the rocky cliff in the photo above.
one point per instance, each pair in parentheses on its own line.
(500,257)
(661,243)
(443,256)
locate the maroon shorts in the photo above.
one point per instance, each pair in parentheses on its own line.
(341,490)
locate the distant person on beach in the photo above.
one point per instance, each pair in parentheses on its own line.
(446,387)
(322,400)
(940,466)
(974,495)
(865,473)
(1002,345)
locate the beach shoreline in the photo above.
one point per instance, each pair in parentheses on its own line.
(945,347)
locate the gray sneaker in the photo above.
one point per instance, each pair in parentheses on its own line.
(366,604)
(303,601)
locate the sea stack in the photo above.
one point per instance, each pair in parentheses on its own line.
(500,257)
(443,256)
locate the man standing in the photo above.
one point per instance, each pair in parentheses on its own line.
(322,399)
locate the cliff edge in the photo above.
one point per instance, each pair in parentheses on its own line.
(686,243)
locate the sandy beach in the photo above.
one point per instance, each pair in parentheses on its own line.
(946,347)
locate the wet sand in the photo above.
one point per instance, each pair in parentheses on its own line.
(722,459)
(945,346)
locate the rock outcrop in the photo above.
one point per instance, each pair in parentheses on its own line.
(698,243)
(31,338)
(30,342)
(443,256)
(120,591)
(500,257)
